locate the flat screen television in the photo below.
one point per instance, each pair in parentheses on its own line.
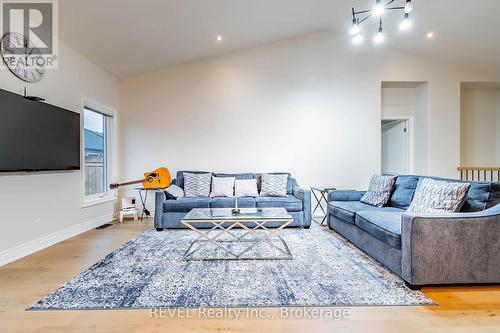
(36,136)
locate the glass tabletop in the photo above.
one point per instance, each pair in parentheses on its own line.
(323,189)
(245,214)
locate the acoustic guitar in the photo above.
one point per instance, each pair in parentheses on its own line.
(159,178)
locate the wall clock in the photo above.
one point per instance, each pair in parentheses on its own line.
(25,66)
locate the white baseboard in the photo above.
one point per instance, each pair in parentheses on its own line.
(36,245)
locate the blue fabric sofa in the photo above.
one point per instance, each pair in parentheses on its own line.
(169,212)
(423,249)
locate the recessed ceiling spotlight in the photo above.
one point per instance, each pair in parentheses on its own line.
(219,38)
(430,35)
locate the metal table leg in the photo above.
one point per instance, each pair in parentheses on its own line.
(270,237)
(144,210)
(319,199)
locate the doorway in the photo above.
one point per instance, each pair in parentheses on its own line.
(405,152)
(395,146)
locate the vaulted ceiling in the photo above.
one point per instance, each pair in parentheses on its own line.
(130,37)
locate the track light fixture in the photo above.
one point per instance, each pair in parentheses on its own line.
(406,23)
(379,37)
(355,27)
(378,10)
(408,7)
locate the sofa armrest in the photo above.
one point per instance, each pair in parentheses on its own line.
(348,195)
(304,195)
(451,249)
(160,197)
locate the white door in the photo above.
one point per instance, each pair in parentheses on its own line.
(395,157)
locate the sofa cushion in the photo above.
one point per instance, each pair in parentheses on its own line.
(236,175)
(185,204)
(385,226)
(481,195)
(438,196)
(243,202)
(222,187)
(246,188)
(379,190)
(289,185)
(197,185)
(494,195)
(404,189)
(174,192)
(346,210)
(179,178)
(290,203)
(273,185)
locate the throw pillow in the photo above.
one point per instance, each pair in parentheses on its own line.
(174,192)
(379,191)
(433,196)
(197,185)
(273,185)
(246,188)
(222,187)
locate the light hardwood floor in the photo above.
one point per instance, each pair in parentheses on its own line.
(461,309)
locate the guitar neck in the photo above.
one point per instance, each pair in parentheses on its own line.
(132,182)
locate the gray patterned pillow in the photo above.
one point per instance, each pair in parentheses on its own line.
(174,192)
(197,185)
(433,196)
(379,191)
(273,185)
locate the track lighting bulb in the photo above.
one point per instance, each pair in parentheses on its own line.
(379,8)
(379,37)
(406,23)
(355,27)
(357,39)
(408,7)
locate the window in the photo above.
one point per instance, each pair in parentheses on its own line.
(95,153)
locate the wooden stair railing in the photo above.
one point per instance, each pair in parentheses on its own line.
(485,174)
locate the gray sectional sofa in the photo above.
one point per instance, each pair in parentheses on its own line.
(455,248)
(169,212)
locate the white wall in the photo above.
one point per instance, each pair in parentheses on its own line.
(410,100)
(308,105)
(498,128)
(421,128)
(39,209)
(480,131)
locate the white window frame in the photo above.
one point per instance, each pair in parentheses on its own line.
(109,154)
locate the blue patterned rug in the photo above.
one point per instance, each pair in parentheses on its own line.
(148,272)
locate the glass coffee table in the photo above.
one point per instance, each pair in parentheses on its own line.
(223,235)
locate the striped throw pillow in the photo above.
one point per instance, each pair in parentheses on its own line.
(433,196)
(273,185)
(197,185)
(379,191)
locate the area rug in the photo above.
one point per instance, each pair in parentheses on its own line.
(148,272)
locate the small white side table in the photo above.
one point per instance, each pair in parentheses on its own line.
(128,212)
